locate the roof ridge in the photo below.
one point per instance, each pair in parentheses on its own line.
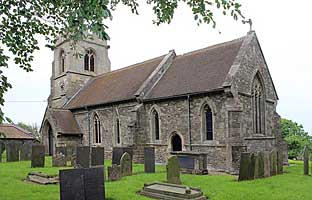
(212,47)
(128,67)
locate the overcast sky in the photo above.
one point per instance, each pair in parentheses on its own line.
(283,28)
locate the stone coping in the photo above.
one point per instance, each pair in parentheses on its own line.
(188,153)
(260,138)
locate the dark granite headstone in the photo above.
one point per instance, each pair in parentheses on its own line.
(306,161)
(186,162)
(26,151)
(173,170)
(82,184)
(12,152)
(244,166)
(37,156)
(126,165)
(97,156)
(118,152)
(114,172)
(149,159)
(83,156)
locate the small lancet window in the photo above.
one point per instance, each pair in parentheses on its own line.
(89,59)
(208,123)
(97,130)
(258,105)
(62,61)
(155,124)
(118,131)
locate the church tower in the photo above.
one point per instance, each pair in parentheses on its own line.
(72,68)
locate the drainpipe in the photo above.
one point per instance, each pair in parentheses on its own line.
(89,134)
(189,121)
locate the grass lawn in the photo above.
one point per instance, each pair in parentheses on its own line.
(291,185)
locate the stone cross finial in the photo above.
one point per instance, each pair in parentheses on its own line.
(249,21)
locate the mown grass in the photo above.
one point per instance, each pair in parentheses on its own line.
(291,185)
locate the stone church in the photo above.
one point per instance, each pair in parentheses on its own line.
(220,100)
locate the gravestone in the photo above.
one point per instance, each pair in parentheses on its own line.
(126,164)
(260,165)
(83,156)
(306,161)
(273,163)
(114,172)
(118,152)
(59,160)
(37,156)
(244,166)
(149,159)
(173,170)
(266,159)
(26,151)
(61,150)
(12,152)
(256,174)
(1,150)
(280,161)
(251,170)
(70,154)
(82,184)
(97,156)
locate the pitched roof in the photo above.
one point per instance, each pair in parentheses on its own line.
(199,71)
(65,122)
(12,131)
(118,85)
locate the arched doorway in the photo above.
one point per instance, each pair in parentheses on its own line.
(176,142)
(50,139)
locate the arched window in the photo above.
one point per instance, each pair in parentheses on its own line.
(62,61)
(155,125)
(207,123)
(118,131)
(89,60)
(97,130)
(258,105)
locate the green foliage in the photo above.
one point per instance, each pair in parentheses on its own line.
(22,21)
(291,185)
(33,129)
(295,137)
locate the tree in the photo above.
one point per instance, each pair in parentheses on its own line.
(33,129)
(22,21)
(295,137)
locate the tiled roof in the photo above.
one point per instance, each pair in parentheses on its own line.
(65,122)
(12,131)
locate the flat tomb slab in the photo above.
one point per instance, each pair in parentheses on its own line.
(171,191)
(42,179)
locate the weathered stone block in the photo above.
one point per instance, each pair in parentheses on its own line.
(306,161)
(118,152)
(59,161)
(280,160)
(83,156)
(173,170)
(114,172)
(126,164)
(260,165)
(244,167)
(273,163)
(26,151)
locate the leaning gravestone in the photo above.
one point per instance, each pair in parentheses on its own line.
(173,170)
(97,156)
(306,161)
(126,165)
(12,152)
(83,156)
(59,160)
(37,156)
(26,151)
(244,167)
(260,165)
(114,172)
(82,184)
(118,152)
(280,160)
(273,163)
(266,159)
(149,159)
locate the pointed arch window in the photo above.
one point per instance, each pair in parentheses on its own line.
(258,105)
(118,131)
(89,59)
(155,125)
(97,130)
(207,121)
(62,61)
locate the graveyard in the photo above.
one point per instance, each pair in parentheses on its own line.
(292,184)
